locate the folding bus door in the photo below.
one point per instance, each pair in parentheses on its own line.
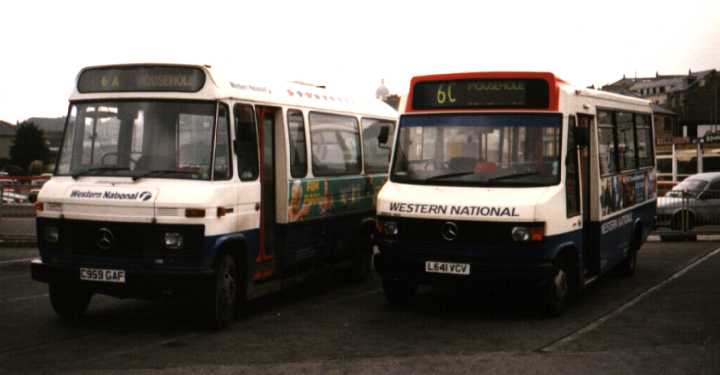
(591,253)
(266,125)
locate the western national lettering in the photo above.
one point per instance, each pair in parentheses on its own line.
(109,194)
(438,209)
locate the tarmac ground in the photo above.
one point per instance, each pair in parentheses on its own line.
(664,320)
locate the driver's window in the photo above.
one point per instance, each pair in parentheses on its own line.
(222,170)
(246,142)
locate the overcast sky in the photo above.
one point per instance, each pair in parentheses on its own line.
(348,44)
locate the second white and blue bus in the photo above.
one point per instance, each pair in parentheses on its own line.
(515,175)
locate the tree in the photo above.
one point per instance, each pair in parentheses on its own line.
(29,145)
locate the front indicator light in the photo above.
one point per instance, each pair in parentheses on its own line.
(537,233)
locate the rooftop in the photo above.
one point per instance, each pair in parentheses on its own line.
(48,125)
(7,129)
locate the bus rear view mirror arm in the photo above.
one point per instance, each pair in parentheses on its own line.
(383,137)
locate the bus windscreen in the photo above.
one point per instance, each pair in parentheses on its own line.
(482,93)
(141,78)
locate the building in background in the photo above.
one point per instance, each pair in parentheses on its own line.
(693,97)
(666,125)
(698,105)
(7,135)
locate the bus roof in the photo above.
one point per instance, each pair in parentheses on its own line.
(214,86)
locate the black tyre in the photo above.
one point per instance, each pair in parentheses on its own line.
(361,258)
(683,221)
(628,266)
(399,292)
(557,291)
(69,300)
(223,298)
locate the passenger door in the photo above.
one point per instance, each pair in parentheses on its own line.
(591,254)
(265,259)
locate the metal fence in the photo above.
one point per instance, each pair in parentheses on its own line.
(688,213)
(18,193)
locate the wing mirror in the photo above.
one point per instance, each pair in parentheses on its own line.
(383,137)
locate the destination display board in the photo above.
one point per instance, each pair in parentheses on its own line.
(482,93)
(141,78)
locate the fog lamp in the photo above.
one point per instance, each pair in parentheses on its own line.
(52,234)
(390,229)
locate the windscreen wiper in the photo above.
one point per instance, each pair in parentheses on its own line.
(449,175)
(513,176)
(97,169)
(160,172)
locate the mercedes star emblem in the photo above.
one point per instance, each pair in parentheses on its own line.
(105,239)
(449,231)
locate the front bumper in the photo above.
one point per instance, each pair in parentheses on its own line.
(412,268)
(139,282)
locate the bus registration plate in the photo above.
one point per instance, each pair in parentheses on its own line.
(102,275)
(447,267)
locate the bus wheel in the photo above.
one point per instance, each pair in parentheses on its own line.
(557,291)
(628,266)
(223,297)
(399,292)
(361,258)
(69,300)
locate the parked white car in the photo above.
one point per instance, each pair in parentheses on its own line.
(14,198)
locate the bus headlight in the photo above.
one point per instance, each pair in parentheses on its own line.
(173,240)
(525,234)
(520,234)
(52,234)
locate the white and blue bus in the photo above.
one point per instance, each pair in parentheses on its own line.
(515,175)
(173,181)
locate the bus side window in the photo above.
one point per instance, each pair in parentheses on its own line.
(625,140)
(606,143)
(221,167)
(572,196)
(335,143)
(644,141)
(246,142)
(296,136)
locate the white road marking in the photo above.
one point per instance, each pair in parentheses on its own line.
(16,261)
(600,321)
